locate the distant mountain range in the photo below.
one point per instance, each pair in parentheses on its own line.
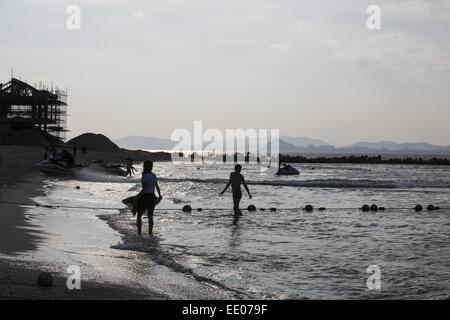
(145,143)
(302,145)
(304,141)
(382,145)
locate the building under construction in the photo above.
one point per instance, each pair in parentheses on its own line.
(23,106)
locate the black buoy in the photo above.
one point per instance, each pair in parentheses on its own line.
(430,207)
(45,279)
(365,207)
(322,209)
(308,208)
(251,208)
(78,187)
(187,208)
(199,209)
(374,207)
(273,209)
(418,207)
(381,208)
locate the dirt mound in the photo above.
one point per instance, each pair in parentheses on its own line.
(94,142)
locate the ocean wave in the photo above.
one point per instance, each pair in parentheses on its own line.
(96,175)
(328,183)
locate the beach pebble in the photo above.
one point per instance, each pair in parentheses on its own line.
(45,279)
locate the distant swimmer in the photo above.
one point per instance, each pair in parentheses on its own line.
(146,200)
(236,178)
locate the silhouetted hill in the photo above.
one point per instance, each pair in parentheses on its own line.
(150,143)
(389,145)
(304,141)
(145,143)
(95,142)
(303,145)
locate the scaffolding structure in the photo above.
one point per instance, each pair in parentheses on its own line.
(23,106)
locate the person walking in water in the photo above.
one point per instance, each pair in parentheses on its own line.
(130,168)
(236,178)
(146,198)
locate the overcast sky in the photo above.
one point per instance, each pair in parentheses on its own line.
(309,68)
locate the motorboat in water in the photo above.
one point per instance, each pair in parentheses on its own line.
(287,170)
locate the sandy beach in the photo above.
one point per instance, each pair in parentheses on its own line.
(20,237)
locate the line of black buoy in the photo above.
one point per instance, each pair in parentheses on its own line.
(250,208)
(373,208)
(310,208)
(430,207)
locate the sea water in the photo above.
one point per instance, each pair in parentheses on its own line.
(289,253)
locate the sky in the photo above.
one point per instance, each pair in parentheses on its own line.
(309,68)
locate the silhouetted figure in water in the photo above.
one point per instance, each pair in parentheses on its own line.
(146,200)
(66,156)
(236,178)
(53,155)
(130,168)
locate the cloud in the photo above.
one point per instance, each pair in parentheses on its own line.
(420,6)
(280,47)
(303,27)
(397,51)
(139,14)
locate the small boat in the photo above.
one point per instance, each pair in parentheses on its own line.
(287,170)
(56,167)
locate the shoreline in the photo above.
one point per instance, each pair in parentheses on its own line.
(74,237)
(20,238)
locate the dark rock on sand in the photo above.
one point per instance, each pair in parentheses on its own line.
(45,279)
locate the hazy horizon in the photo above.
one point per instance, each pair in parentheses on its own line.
(309,68)
(282,136)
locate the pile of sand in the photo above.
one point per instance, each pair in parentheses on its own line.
(94,142)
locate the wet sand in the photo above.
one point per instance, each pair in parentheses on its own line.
(18,182)
(19,237)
